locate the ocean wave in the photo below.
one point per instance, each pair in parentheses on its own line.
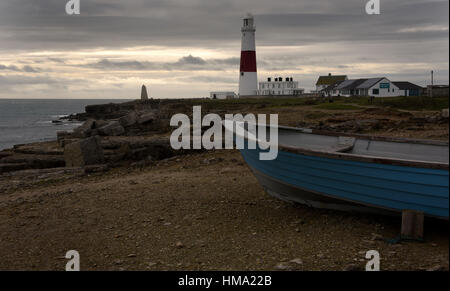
(59,116)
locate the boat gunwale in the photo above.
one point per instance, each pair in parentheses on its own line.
(359,157)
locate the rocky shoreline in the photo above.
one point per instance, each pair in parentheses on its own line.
(132,131)
(137,132)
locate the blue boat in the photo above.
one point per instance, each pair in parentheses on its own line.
(355,172)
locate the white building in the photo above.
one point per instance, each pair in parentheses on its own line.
(223,95)
(280,86)
(375,87)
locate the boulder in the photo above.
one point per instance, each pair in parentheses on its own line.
(122,153)
(7,167)
(147,117)
(94,132)
(35,161)
(40,148)
(100,123)
(84,130)
(112,129)
(95,169)
(445,113)
(129,119)
(63,136)
(163,125)
(5,153)
(60,136)
(67,141)
(84,152)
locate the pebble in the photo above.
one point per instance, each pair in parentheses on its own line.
(179,245)
(297,261)
(437,268)
(376,236)
(283,266)
(227,171)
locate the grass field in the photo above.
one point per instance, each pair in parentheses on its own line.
(406,103)
(342,103)
(337,106)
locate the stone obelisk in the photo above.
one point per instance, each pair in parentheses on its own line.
(144,95)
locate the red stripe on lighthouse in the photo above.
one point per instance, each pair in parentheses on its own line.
(248,61)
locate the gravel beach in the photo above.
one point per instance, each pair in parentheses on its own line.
(196,212)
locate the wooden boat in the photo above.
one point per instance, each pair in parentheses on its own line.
(355,172)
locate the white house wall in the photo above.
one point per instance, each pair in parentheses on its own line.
(392,91)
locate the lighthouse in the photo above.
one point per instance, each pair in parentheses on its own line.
(248,80)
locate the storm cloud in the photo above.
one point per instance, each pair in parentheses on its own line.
(171,37)
(188,63)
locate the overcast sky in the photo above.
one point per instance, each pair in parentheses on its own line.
(186,48)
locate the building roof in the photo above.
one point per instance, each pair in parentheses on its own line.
(407,86)
(369,83)
(350,84)
(330,79)
(358,84)
(332,87)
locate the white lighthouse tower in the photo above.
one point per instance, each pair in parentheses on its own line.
(248,80)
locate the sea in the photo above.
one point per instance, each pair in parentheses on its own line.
(30,120)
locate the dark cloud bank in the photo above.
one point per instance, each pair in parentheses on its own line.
(406,31)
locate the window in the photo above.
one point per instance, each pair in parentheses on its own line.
(376,91)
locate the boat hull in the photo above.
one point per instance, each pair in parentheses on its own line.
(332,183)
